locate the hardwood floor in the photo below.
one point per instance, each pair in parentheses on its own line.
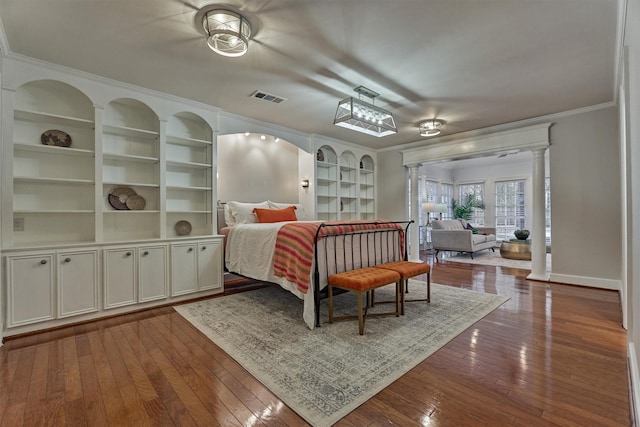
(552,355)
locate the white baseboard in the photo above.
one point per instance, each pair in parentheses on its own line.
(634,377)
(592,282)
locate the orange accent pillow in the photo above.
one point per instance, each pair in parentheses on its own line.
(276,215)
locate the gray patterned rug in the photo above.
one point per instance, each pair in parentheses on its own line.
(325,373)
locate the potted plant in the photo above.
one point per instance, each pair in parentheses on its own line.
(465,210)
(521,234)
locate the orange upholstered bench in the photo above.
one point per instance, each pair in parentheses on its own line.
(361,281)
(407,270)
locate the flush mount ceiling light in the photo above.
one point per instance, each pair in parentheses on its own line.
(361,116)
(228,32)
(430,127)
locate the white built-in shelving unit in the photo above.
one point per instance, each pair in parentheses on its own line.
(367,196)
(53,187)
(327,181)
(130,158)
(71,256)
(345,184)
(189,155)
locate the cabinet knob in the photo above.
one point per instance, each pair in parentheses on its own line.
(128,253)
(190,250)
(67,260)
(204,247)
(43,262)
(145,253)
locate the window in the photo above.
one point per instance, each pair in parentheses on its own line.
(477,189)
(446,195)
(510,208)
(427,192)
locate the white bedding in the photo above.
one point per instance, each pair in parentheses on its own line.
(250,251)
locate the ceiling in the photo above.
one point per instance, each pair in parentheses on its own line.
(471,63)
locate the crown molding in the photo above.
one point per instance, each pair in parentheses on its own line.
(107,81)
(501,127)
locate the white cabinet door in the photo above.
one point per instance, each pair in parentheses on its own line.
(30,288)
(184,268)
(153,267)
(119,277)
(77,282)
(210,265)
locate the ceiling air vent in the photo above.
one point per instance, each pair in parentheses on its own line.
(268,97)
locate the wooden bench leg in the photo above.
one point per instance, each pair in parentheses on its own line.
(360,315)
(330,292)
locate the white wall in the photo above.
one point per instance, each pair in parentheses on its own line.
(632,104)
(254,170)
(585,197)
(585,201)
(391,184)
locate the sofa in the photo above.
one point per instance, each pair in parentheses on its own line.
(458,235)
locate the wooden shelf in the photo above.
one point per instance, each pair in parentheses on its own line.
(50,149)
(130,158)
(37,116)
(193,165)
(189,142)
(131,132)
(52,180)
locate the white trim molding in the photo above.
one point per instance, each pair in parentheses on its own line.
(523,139)
(590,282)
(634,378)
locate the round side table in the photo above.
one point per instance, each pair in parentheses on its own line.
(516,249)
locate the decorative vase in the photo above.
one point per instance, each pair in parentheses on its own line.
(521,234)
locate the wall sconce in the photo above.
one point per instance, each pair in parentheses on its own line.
(305,183)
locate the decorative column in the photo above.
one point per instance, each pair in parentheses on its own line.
(414,244)
(538,242)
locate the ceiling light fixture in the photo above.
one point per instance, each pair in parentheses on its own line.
(227,32)
(361,116)
(430,127)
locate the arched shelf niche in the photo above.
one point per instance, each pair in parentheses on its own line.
(189,168)
(348,186)
(131,156)
(52,164)
(327,181)
(367,188)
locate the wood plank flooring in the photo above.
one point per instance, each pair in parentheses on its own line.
(553,355)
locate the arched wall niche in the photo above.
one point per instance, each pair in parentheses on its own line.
(251,169)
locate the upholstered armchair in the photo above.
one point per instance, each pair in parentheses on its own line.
(451,235)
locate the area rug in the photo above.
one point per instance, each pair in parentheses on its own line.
(492,258)
(325,373)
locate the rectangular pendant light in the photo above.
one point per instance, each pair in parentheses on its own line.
(355,114)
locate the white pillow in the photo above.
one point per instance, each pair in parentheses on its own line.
(300,213)
(242,213)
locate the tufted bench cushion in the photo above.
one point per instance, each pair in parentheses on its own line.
(362,281)
(407,270)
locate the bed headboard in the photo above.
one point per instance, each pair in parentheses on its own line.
(221,222)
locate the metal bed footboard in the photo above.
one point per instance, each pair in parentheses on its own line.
(339,251)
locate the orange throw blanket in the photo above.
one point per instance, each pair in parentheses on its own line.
(295,241)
